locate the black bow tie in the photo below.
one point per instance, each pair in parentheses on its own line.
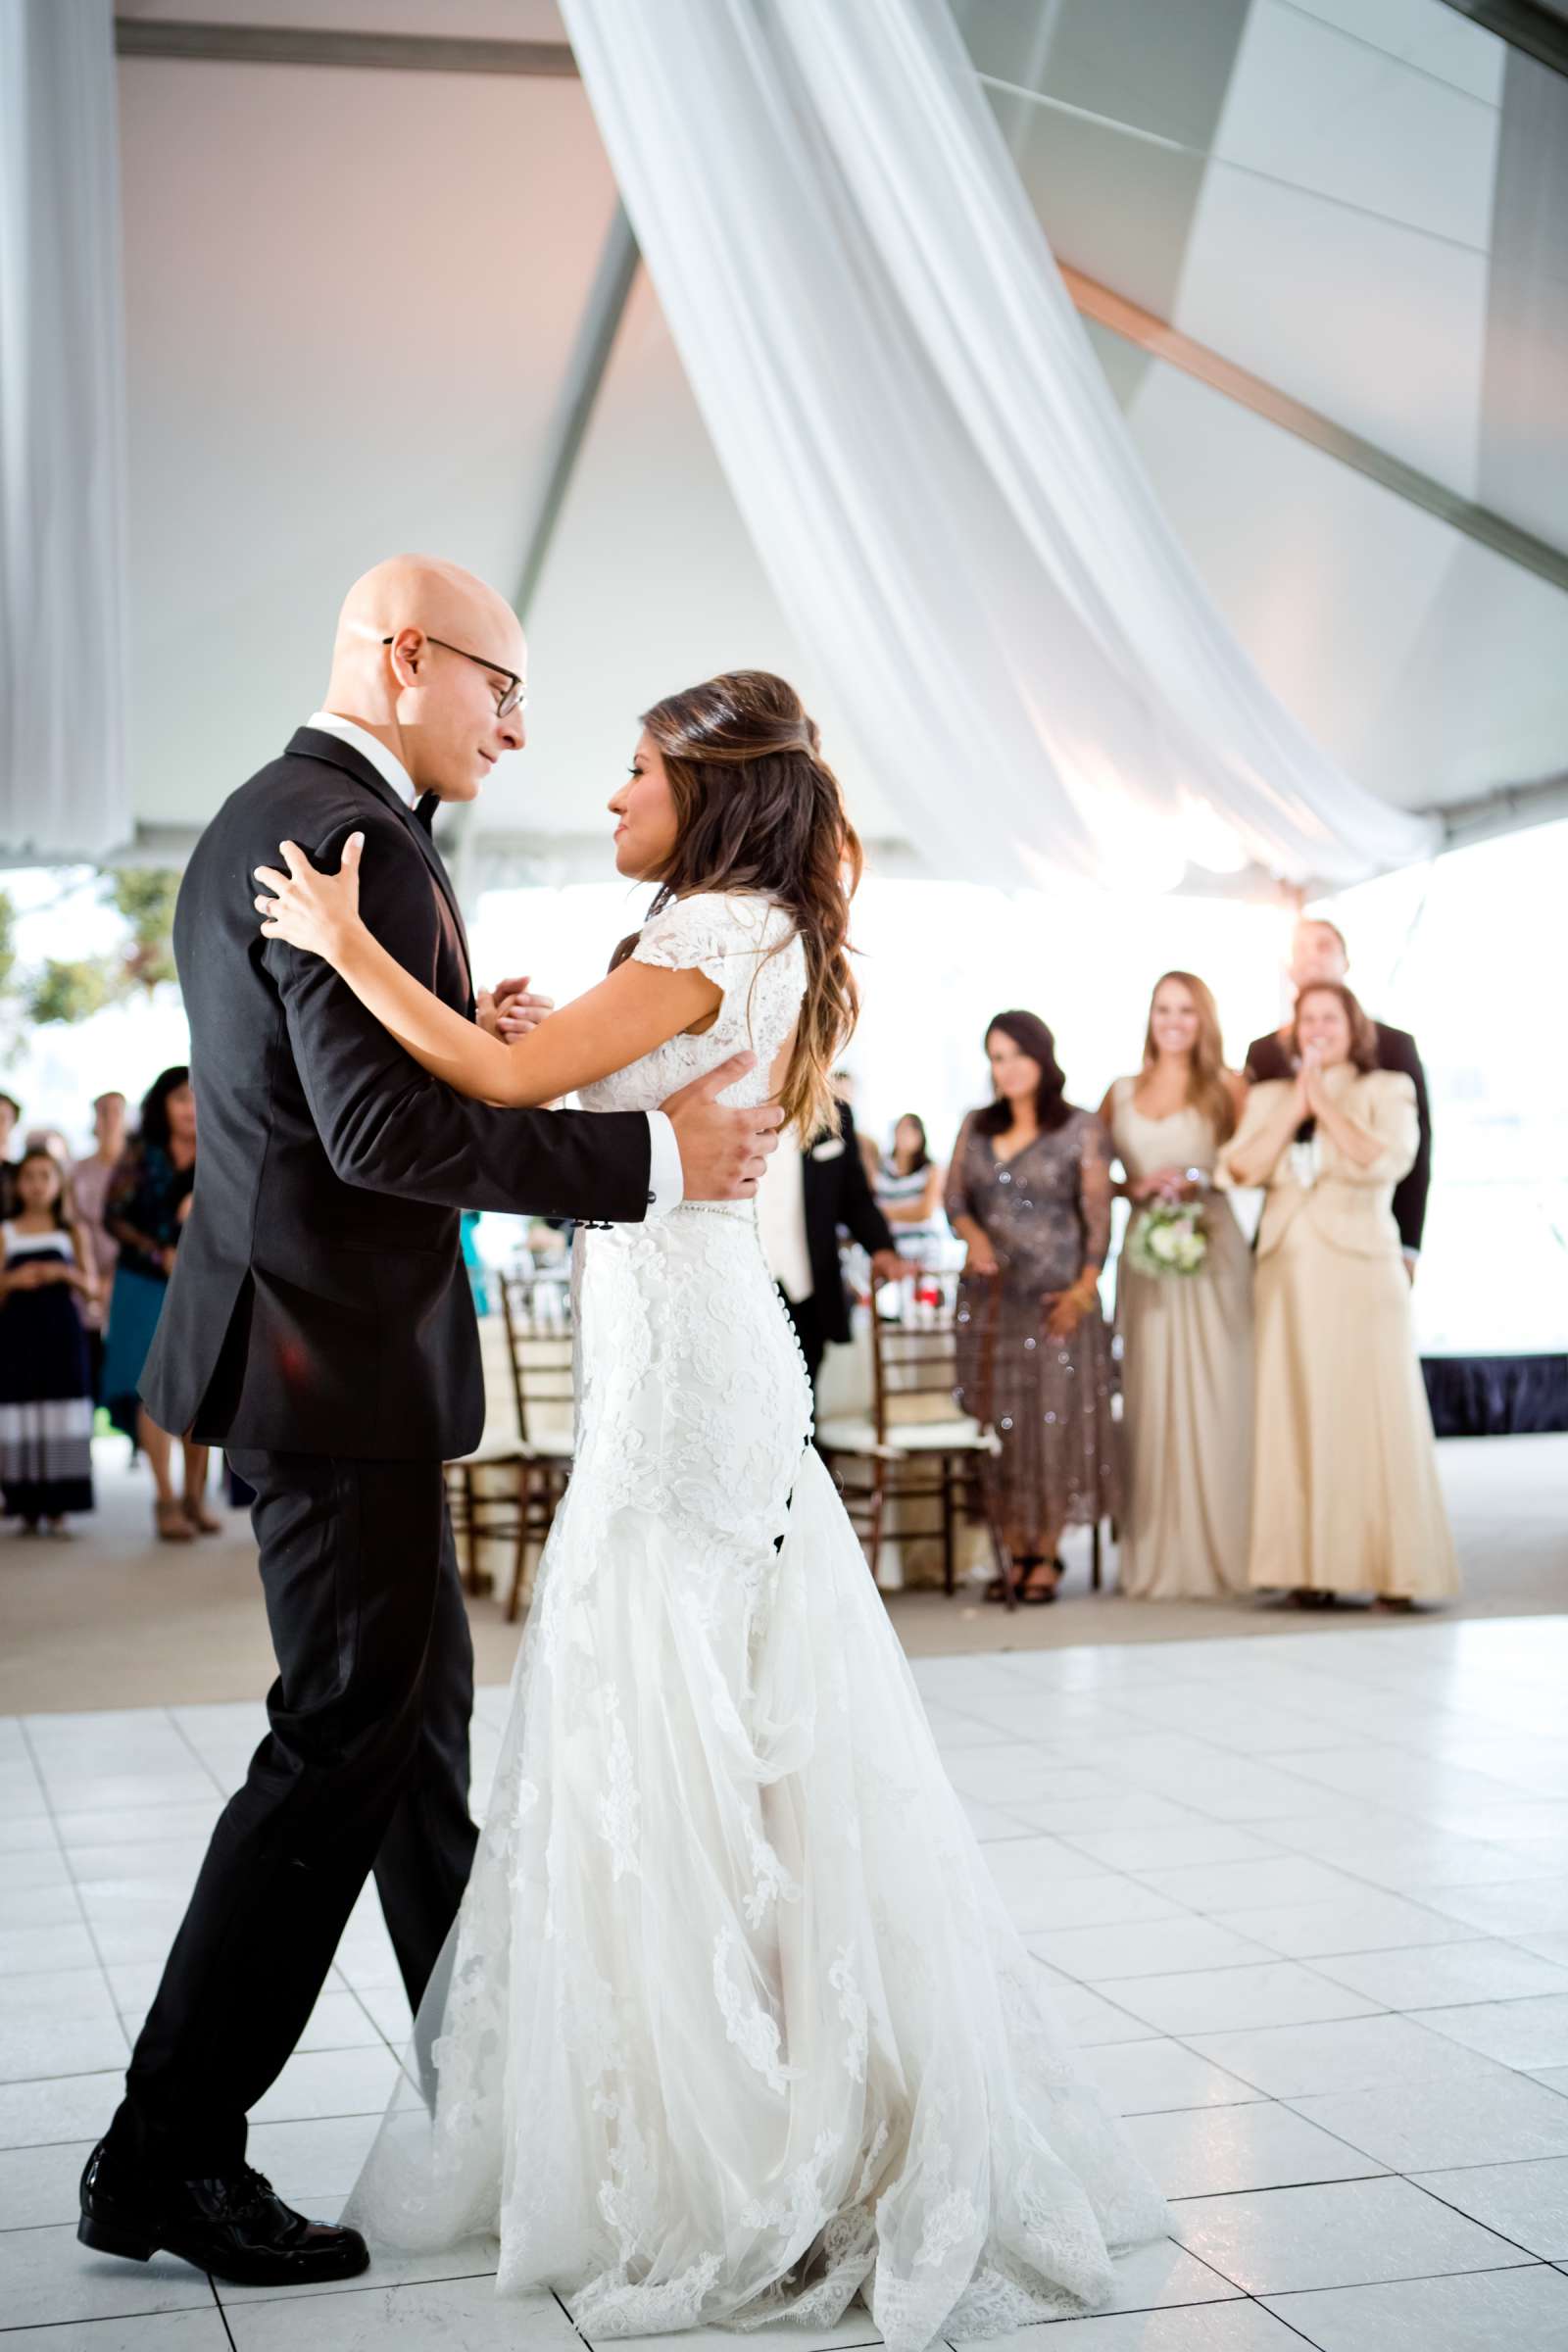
(424,809)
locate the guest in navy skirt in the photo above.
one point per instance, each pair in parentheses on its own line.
(45,1372)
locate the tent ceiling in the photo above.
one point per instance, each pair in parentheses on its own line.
(354,299)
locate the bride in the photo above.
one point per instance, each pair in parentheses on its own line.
(732,2025)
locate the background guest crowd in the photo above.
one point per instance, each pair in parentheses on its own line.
(1255,1422)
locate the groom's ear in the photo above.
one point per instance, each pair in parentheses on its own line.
(406,653)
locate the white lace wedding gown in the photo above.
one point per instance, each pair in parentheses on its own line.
(732,2025)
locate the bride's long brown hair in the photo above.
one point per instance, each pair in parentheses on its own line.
(758,808)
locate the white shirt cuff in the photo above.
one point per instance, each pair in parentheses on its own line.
(667,1184)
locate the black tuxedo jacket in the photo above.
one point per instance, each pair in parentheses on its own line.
(318,1302)
(838,1196)
(1270,1058)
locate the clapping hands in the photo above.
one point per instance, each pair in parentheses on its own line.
(1309,1094)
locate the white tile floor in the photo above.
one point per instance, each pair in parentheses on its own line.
(1303,1902)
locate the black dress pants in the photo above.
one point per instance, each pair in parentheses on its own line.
(365,1766)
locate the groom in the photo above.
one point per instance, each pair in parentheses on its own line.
(320,1327)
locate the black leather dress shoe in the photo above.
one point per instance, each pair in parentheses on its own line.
(238,2227)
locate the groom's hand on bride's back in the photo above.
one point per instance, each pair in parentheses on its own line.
(724,1152)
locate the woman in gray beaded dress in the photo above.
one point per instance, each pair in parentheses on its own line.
(1029,1193)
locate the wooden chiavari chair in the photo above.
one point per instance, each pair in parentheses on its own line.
(535,1464)
(915,1445)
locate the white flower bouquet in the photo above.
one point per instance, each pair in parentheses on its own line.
(1168,1237)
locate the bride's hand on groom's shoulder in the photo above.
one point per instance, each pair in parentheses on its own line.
(314,911)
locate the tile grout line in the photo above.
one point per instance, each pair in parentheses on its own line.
(290,2295)
(1290,2106)
(1393,1893)
(181,1732)
(1349,2286)
(1528,2252)
(75,1889)
(223,2316)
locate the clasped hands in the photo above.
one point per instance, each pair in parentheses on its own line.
(1069,1307)
(508,1011)
(1165,1183)
(1066,1309)
(38,1277)
(1312,1096)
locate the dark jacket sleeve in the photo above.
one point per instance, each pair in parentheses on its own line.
(1265,1059)
(858,1208)
(389,1127)
(1396,1051)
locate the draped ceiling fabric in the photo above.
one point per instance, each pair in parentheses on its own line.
(934,471)
(65,789)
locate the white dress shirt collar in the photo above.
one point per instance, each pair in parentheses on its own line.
(388,766)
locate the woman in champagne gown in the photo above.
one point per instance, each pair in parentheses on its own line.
(732,2026)
(1187,1338)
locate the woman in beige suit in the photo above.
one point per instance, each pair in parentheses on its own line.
(1345,1494)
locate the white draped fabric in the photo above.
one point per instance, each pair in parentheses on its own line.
(64,785)
(934,471)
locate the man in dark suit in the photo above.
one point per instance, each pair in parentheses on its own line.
(810,1196)
(320,1327)
(1318,952)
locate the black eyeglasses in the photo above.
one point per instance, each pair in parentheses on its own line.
(513,697)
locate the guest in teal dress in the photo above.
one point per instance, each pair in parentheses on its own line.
(149,1199)
(468,1226)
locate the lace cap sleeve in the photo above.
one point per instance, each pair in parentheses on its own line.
(702,933)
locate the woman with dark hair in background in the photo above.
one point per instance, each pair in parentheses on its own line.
(1187,1338)
(1029,1193)
(148,1203)
(1345,1496)
(908,1184)
(45,1379)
